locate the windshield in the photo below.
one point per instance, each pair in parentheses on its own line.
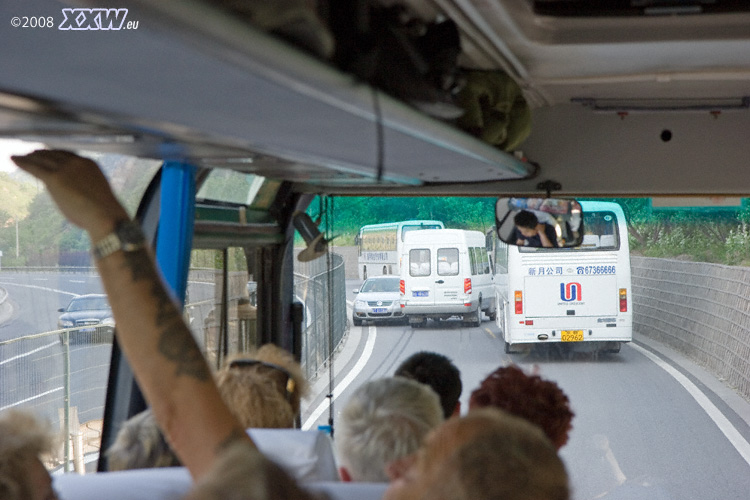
(380,285)
(678,279)
(88,304)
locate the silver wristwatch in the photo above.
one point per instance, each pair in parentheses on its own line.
(127,237)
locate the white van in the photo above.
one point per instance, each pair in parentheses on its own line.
(444,273)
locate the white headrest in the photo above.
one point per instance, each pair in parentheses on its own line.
(305,455)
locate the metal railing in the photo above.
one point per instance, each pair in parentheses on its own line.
(325,324)
(61,376)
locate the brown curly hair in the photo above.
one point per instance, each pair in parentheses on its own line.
(539,401)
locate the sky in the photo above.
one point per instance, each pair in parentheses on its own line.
(10,147)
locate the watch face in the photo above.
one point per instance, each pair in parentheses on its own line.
(131,236)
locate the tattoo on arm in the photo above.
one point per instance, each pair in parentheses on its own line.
(175,343)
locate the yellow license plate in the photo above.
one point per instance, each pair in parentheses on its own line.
(572,335)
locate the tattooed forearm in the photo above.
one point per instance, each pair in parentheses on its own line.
(177,346)
(175,341)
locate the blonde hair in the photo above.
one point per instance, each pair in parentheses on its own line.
(252,392)
(23,436)
(140,444)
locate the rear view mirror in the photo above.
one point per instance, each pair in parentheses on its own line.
(539,222)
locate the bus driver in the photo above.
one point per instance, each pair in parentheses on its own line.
(530,232)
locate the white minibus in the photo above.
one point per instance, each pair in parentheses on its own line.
(444,273)
(580,295)
(379,245)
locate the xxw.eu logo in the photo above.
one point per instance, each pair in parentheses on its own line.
(570,292)
(96,19)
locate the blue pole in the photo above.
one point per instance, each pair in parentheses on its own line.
(174,240)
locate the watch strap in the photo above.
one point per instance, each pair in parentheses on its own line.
(127,237)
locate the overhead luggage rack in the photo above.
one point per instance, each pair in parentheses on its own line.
(193,83)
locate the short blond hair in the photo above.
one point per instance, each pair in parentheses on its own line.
(254,396)
(23,436)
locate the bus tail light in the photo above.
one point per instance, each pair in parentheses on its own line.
(467,285)
(402,287)
(518,296)
(623,300)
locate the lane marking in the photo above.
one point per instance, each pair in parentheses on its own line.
(31,398)
(724,425)
(45,288)
(355,371)
(29,353)
(490,332)
(76,281)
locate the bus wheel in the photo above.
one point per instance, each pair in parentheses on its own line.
(509,349)
(385,270)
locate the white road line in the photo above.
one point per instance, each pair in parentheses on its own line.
(43,288)
(31,398)
(355,371)
(724,425)
(77,281)
(51,344)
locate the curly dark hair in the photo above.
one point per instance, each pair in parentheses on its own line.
(539,401)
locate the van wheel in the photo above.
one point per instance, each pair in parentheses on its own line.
(492,315)
(473,319)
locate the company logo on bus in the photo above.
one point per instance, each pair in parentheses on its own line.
(570,292)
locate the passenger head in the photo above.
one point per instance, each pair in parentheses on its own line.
(438,372)
(140,444)
(486,455)
(242,473)
(539,401)
(263,388)
(24,439)
(384,420)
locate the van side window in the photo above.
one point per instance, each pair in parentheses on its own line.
(419,262)
(485,260)
(447,259)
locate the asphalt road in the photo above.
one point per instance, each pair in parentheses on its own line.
(640,431)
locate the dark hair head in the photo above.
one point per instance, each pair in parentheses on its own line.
(539,401)
(438,372)
(524,218)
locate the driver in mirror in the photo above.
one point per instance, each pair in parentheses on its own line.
(530,232)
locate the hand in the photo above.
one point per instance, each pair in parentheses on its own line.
(78,187)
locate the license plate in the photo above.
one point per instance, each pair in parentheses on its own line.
(572,335)
(424,293)
(379,310)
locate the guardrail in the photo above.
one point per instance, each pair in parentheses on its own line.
(701,310)
(61,375)
(325,321)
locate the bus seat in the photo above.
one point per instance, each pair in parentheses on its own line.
(173,483)
(590,240)
(348,491)
(607,240)
(162,483)
(444,267)
(306,455)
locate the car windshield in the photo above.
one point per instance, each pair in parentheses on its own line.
(89,304)
(380,285)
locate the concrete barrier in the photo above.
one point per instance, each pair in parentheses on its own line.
(701,310)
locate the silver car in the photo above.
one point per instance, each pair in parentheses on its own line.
(378,299)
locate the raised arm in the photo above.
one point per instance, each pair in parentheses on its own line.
(165,358)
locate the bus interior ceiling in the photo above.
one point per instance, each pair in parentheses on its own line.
(620,104)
